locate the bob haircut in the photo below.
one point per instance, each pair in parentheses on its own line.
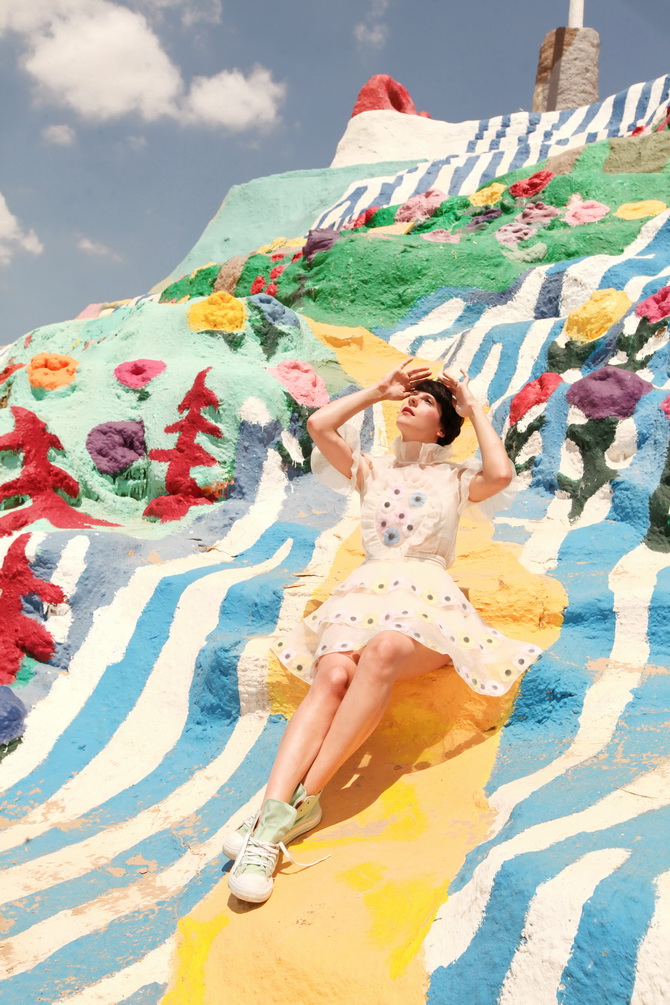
(450,420)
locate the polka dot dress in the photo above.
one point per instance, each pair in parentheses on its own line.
(411,503)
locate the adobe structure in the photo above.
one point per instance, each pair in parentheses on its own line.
(159,522)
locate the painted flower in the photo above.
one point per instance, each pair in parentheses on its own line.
(137,373)
(258,284)
(420,207)
(489,195)
(511,233)
(656,307)
(639,210)
(481,220)
(302,382)
(362,219)
(539,213)
(527,187)
(580,210)
(51,370)
(218,312)
(114,446)
(441,236)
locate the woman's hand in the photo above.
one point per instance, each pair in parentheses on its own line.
(399,382)
(463,399)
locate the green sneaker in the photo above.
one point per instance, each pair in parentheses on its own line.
(250,879)
(308,816)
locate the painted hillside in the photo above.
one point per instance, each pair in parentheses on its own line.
(159,523)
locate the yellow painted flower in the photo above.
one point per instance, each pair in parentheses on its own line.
(220,311)
(603,309)
(638,210)
(489,195)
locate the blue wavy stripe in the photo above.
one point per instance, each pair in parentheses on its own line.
(162,848)
(197,745)
(478,975)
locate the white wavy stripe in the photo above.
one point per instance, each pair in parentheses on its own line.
(480,383)
(67,573)
(540,551)
(441,317)
(652,973)
(550,928)
(26,950)
(634,576)
(604,703)
(633,581)
(97,851)
(113,627)
(155,967)
(583,278)
(528,355)
(453,930)
(137,747)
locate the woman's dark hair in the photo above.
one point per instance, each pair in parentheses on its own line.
(450,420)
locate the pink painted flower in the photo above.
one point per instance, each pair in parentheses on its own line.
(420,207)
(584,210)
(511,233)
(137,373)
(539,213)
(665,405)
(302,382)
(527,187)
(656,307)
(441,237)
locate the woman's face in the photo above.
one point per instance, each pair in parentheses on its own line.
(420,418)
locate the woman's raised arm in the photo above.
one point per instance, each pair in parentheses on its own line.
(323,424)
(496,473)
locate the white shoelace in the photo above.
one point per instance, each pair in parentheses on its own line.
(265,854)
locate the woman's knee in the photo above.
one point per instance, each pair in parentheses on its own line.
(383,656)
(333,678)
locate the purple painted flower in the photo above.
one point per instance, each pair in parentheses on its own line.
(608,391)
(511,233)
(114,446)
(539,213)
(321,239)
(482,220)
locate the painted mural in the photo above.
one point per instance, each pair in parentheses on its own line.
(159,523)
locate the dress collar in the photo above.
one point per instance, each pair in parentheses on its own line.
(413,451)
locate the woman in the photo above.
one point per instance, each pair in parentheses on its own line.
(396,617)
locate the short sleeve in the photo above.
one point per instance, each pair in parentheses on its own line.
(465,472)
(325,473)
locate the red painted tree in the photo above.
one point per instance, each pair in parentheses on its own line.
(39,479)
(183,490)
(19,634)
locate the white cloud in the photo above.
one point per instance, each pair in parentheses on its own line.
(237,102)
(372,32)
(104,61)
(59,136)
(192,11)
(95,248)
(13,238)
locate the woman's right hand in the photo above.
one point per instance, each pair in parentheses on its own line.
(399,382)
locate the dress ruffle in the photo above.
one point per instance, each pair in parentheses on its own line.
(417,598)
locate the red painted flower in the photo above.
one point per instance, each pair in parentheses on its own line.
(656,307)
(527,187)
(536,392)
(258,284)
(277,271)
(272,290)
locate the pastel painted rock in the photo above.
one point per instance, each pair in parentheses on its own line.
(219,312)
(321,239)
(603,309)
(656,307)
(12,715)
(274,310)
(608,391)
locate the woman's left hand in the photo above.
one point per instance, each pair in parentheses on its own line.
(463,399)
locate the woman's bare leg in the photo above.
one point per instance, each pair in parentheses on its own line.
(309,725)
(387,658)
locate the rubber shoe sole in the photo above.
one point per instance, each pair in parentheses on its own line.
(233,841)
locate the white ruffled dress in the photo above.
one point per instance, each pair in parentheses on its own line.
(411,501)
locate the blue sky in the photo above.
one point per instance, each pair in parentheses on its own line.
(124,124)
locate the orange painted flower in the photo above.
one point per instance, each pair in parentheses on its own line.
(51,371)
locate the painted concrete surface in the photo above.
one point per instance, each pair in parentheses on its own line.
(159,524)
